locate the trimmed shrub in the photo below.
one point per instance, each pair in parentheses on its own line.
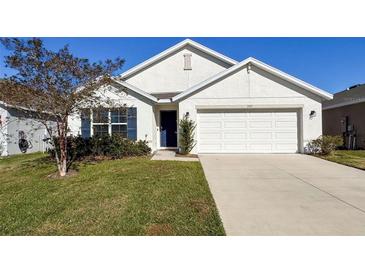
(325,144)
(118,147)
(186,131)
(100,145)
(77,147)
(107,146)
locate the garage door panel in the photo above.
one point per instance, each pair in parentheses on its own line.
(260,124)
(235,135)
(285,114)
(260,115)
(260,147)
(285,147)
(247,131)
(234,124)
(205,119)
(233,147)
(235,115)
(211,115)
(286,135)
(261,135)
(211,135)
(210,124)
(285,124)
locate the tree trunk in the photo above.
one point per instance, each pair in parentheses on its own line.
(62,165)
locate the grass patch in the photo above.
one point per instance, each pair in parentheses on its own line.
(353,158)
(113,197)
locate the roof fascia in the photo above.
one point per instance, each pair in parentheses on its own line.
(135,89)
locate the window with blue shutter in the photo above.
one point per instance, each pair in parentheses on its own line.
(122,121)
(132,123)
(85,124)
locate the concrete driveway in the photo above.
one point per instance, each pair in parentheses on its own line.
(286,194)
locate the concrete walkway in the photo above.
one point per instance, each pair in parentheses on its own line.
(170,155)
(289,194)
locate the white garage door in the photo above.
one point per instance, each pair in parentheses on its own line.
(247,131)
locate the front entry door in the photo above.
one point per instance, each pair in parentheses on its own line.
(168,128)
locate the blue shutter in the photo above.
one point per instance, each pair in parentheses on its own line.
(85,124)
(132,123)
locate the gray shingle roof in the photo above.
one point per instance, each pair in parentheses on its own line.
(347,97)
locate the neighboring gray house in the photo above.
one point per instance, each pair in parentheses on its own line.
(239,107)
(345,116)
(19,132)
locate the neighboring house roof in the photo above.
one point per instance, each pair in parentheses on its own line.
(33,95)
(20,107)
(353,95)
(6,105)
(262,66)
(175,48)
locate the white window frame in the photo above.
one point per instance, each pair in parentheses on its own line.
(109,123)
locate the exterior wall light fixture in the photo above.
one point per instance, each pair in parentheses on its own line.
(312,114)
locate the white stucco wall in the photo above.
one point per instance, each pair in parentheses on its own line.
(145,114)
(257,89)
(3,130)
(168,75)
(34,131)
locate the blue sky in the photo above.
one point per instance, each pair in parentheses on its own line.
(332,64)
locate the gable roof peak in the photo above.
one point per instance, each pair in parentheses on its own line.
(173,49)
(250,60)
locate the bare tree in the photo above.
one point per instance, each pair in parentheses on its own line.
(52,86)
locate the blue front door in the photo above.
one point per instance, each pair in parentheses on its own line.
(168,128)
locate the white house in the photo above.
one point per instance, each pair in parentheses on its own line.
(20,132)
(239,107)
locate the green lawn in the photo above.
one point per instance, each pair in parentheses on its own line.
(353,158)
(121,197)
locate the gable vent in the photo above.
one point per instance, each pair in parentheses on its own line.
(187,61)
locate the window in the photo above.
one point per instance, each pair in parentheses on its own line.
(100,122)
(100,130)
(120,130)
(187,61)
(100,116)
(121,121)
(119,116)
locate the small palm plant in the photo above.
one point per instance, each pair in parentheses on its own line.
(186,131)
